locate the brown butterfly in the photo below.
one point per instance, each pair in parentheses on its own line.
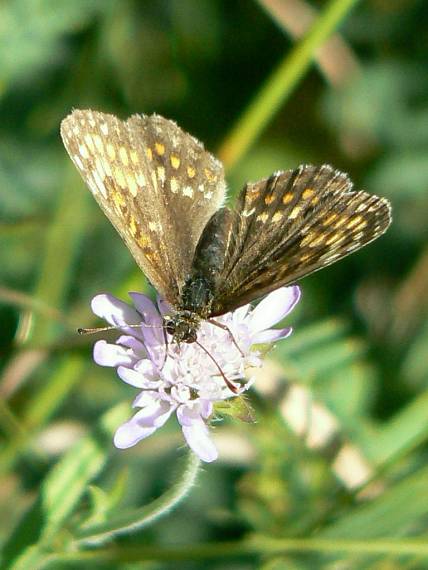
(163,192)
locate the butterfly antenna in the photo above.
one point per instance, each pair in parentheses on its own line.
(232,387)
(116,327)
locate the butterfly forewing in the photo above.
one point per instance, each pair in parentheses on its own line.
(156,184)
(292,224)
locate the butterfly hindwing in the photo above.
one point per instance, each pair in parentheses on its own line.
(290,225)
(156,184)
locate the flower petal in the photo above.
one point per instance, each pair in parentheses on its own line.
(131,433)
(273,308)
(197,438)
(136,378)
(106,354)
(146,308)
(271,335)
(114,311)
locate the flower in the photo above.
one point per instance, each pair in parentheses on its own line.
(185,379)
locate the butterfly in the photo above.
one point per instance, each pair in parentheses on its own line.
(164,194)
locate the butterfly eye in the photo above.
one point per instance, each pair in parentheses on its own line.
(169,325)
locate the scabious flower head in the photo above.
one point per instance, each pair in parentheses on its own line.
(185,379)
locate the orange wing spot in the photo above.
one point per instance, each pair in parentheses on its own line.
(269,199)
(329,219)
(288,196)
(191,172)
(354,222)
(175,161)
(309,237)
(132,225)
(318,240)
(209,175)
(335,238)
(118,200)
(144,241)
(251,196)
(160,148)
(340,222)
(305,256)
(307,193)
(315,201)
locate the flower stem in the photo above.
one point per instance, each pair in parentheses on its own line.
(260,546)
(280,84)
(135,519)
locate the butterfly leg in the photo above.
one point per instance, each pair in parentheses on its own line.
(226,328)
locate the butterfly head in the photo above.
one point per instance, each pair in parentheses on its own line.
(183,326)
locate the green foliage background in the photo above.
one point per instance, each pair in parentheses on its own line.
(234,75)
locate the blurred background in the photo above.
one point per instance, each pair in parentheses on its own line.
(339,449)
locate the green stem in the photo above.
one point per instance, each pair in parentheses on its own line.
(137,518)
(281,83)
(262,546)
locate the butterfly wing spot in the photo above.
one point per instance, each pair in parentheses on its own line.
(209,175)
(78,162)
(119,177)
(336,238)
(123,156)
(133,225)
(134,157)
(83,151)
(132,185)
(201,188)
(104,128)
(144,242)
(305,256)
(355,222)
(89,143)
(340,222)
(315,201)
(175,161)
(208,195)
(118,200)
(154,180)
(141,179)
(277,217)
(155,227)
(308,193)
(149,153)
(247,213)
(331,218)
(262,217)
(161,174)
(174,185)
(111,152)
(288,196)
(99,183)
(191,172)
(318,241)
(160,148)
(98,143)
(188,191)
(269,199)
(294,212)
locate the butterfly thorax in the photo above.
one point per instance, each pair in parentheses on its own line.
(195,305)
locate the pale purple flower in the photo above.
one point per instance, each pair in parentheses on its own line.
(183,379)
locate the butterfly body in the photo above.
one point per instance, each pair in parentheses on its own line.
(164,194)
